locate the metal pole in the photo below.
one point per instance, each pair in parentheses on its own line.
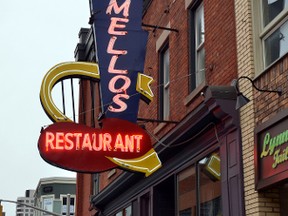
(33,207)
(68,205)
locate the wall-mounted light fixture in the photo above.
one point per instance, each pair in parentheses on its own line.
(243,100)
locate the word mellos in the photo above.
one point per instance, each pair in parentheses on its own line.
(92,142)
(117,28)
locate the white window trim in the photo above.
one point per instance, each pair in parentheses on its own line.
(260,33)
(50,196)
(159,44)
(200,47)
(65,196)
(162,38)
(188,3)
(166,88)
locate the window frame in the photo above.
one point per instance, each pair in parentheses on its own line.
(164,83)
(194,168)
(194,48)
(261,33)
(62,196)
(47,197)
(122,212)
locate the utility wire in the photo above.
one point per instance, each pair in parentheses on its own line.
(169,145)
(153,88)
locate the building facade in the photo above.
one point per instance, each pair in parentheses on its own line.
(22,210)
(192,121)
(262,56)
(53,195)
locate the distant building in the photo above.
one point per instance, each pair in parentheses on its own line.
(22,210)
(52,194)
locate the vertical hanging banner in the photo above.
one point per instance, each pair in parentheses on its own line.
(121,47)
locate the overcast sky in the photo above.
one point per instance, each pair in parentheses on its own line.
(35,35)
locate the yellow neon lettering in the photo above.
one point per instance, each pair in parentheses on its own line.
(265,150)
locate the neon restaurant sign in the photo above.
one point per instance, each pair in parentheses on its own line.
(120,142)
(272,151)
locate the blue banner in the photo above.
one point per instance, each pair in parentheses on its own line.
(121,47)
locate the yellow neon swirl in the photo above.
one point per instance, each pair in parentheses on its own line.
(56,74)
(148,163)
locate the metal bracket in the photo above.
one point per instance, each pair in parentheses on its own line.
(155,27)
(157,120)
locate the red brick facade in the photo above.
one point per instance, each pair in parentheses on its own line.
(220,67)
(268,104)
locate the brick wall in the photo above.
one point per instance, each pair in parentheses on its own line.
(269,104)
(83,191)
(262,107)
(246,68)
(220,42)
(220,51)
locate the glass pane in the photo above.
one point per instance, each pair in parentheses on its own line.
(128,211)
(119,214)
(187,192)
(276,45)
(210,186)
(166,68)
(145,205)
(271,8)
(200,72)
(48,204)
(166,80)
(199,21)
(283,39)
(166,103)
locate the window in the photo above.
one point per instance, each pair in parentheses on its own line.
(64,204)
(164,197)
(95,183)
(197,32)
(164,94)
(145,205)
(274,30)
(47,203)
(125,212)
(199,188)
(271,8)
(275,43)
